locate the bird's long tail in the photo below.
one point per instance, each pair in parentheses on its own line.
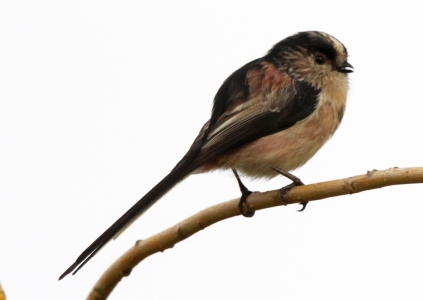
(181,170)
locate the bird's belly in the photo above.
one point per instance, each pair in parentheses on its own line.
(287,149)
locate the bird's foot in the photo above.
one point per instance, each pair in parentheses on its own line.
(295,182)
(245,193)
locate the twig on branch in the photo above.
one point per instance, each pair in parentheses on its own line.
(256,201)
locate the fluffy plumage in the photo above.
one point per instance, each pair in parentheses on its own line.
(274,112)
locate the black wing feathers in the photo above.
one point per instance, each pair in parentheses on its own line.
(245,130)
(235,88)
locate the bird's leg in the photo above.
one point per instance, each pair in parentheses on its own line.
(295,182)
(245,193)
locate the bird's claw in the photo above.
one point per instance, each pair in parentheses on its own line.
(304,204)
(295,182)
(247,214)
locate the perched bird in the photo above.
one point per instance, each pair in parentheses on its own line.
(272,114)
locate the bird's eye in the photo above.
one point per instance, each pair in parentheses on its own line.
(320,60)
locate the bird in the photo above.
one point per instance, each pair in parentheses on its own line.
(270,116)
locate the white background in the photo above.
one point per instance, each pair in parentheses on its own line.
(100,99)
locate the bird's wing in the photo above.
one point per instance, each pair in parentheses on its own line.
(268,101)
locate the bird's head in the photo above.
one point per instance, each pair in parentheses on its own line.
(312,56)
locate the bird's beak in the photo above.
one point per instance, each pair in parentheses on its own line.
(345,68)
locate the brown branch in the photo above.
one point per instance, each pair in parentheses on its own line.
(256,201)
(2,294)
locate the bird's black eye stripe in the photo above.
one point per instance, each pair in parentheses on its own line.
(319,59)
